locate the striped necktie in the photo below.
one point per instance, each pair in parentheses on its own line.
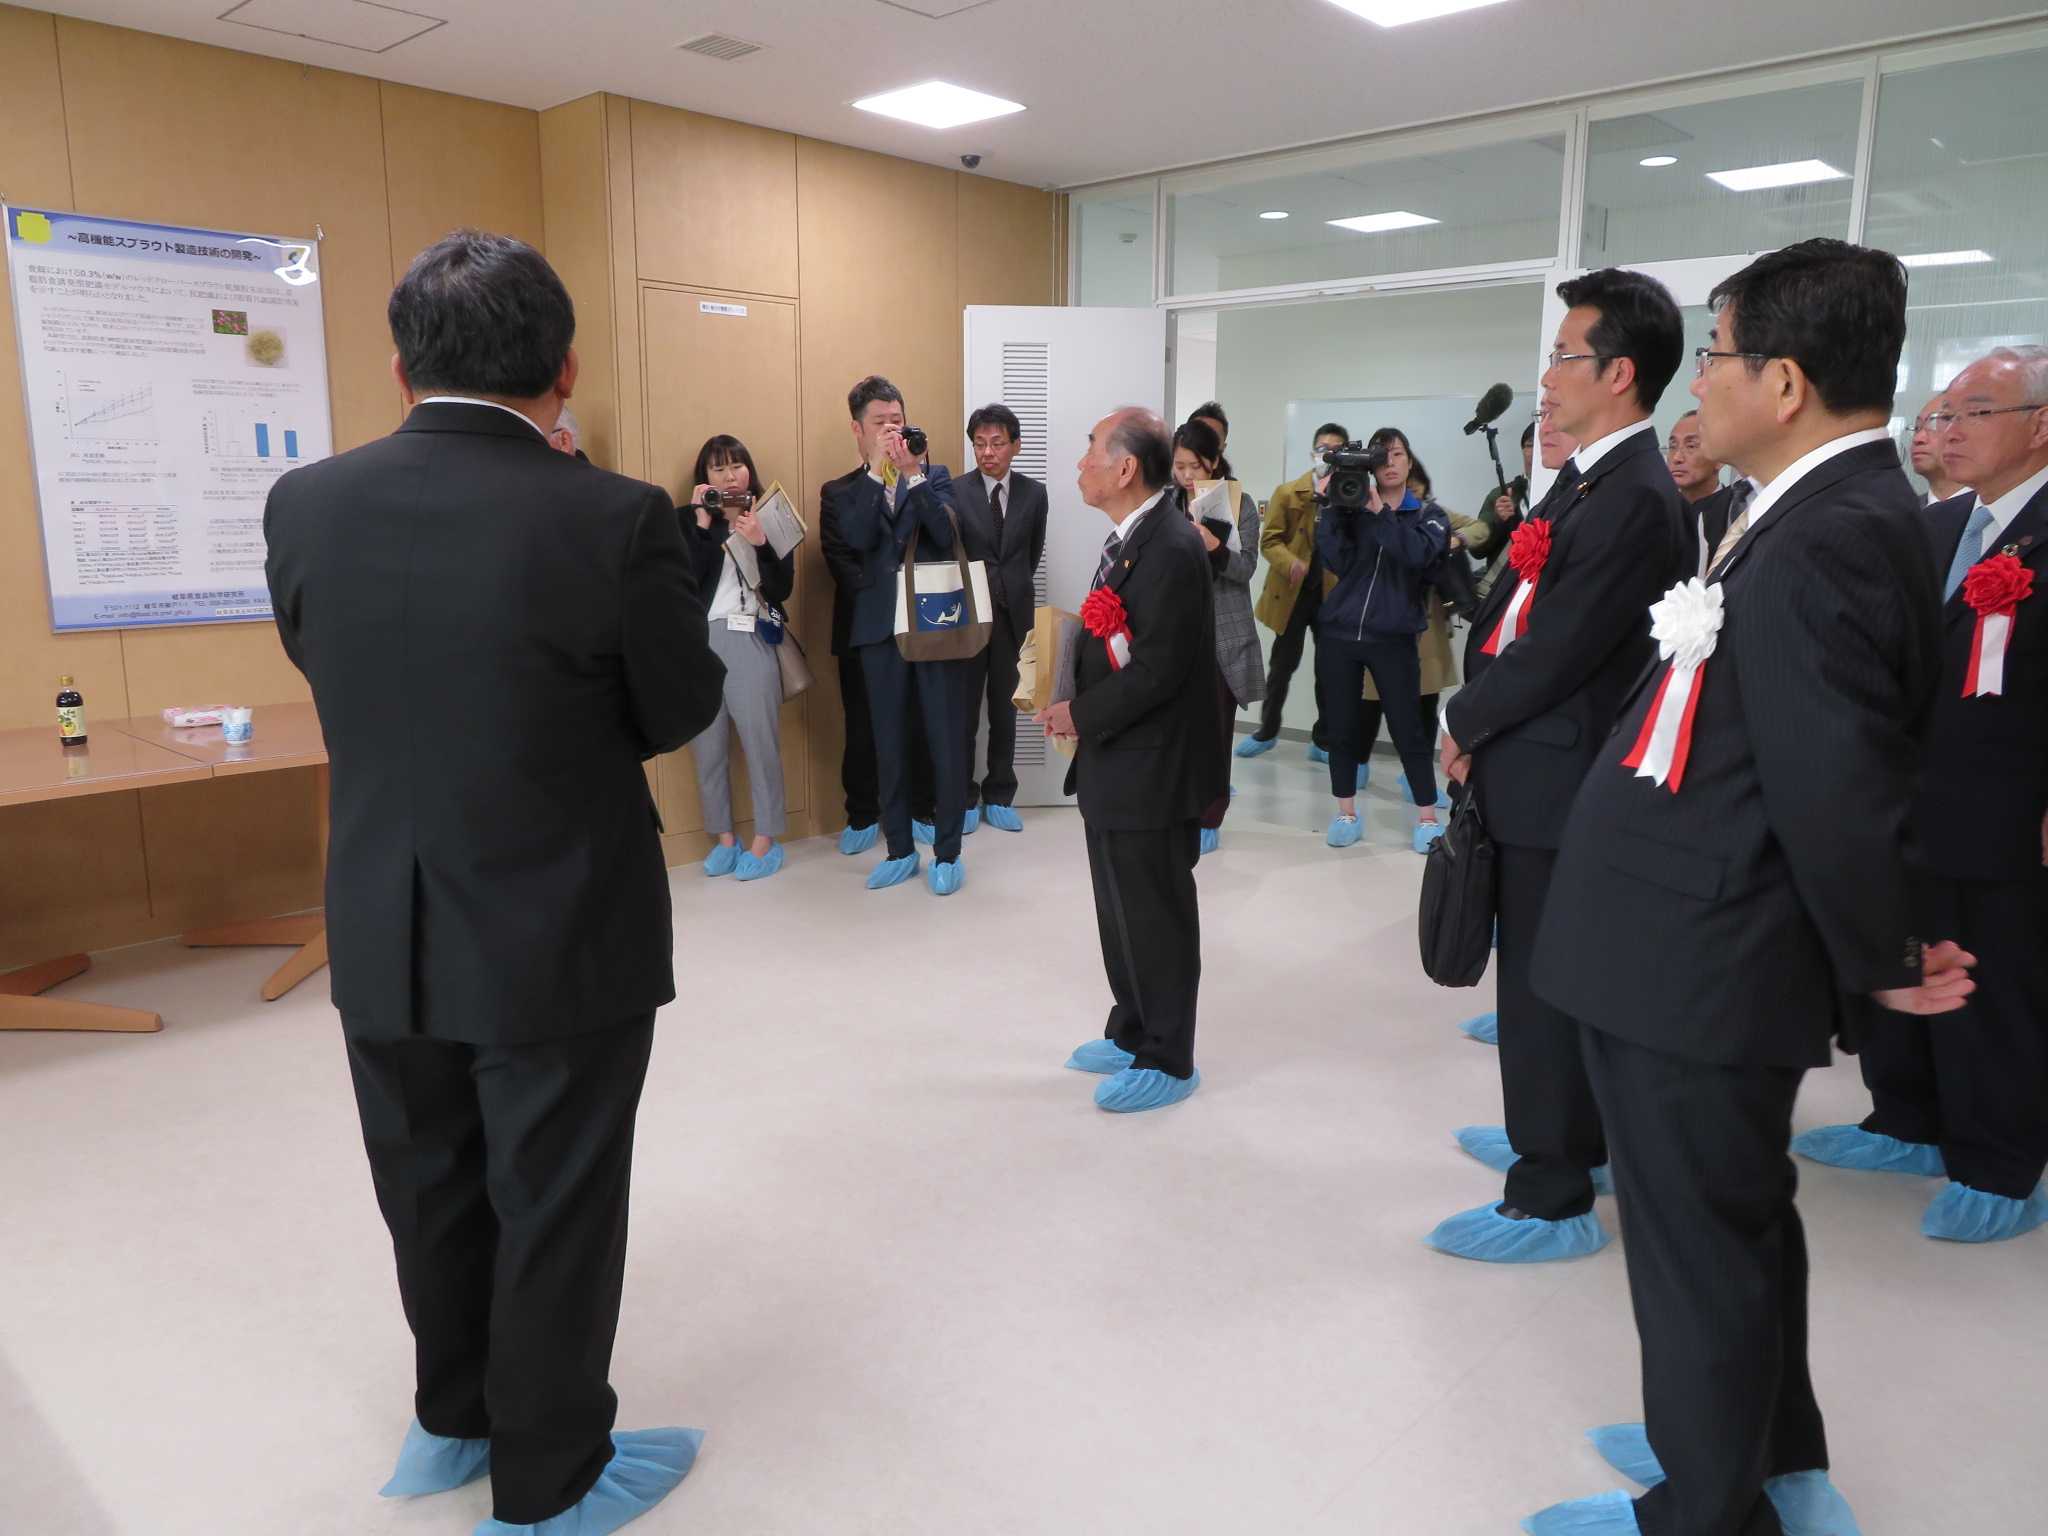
(1739,501)
(1111,548)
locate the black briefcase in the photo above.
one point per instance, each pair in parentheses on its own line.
(1455,918)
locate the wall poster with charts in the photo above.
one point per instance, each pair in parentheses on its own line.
(170,376)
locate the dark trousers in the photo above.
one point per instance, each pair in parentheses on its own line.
(993,676)
(1151,928)
(1370,714)
(1552,1121)
(937,692)
(1717,1272)
(503,1174)
(1301,623)
(1974,1082)
(1226,733)
(857,761)
(1396,667)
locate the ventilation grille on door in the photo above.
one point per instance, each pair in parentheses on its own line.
(716,45)
(1027,390)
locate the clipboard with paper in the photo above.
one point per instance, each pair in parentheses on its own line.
(1217,501)
(780,520)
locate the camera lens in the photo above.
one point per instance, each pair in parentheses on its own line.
(1348,490)
(915,440)
(711,499)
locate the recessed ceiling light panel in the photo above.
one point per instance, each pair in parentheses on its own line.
(938,104)
(1380,223)
(1274,213)
(1658,162)
(1792,173)
(1948,258)
(1398,13)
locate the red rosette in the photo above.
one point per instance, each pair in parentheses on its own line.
(1102,611)
(1529,549)
(1997,584)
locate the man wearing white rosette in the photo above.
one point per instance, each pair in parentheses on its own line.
(1733,890)
(1969,1097)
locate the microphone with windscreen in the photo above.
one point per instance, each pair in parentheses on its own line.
(1492,406)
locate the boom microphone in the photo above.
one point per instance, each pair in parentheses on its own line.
(1492,406)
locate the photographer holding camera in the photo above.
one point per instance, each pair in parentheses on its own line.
(744,617)
(1380,542)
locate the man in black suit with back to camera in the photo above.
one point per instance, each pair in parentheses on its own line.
(1150,755)
(1733,890)
(497,637)
(1968,1096)
(1553,648)
(1002,517)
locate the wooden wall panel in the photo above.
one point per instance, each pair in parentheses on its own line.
(450,162)
(576,202)
(716,201)
(1006,243)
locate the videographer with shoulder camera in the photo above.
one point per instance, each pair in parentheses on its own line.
(746,618)
(1380,543)
(1293,593)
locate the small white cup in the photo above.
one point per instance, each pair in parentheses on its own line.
(237,725)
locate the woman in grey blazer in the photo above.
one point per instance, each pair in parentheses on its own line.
(1233,557)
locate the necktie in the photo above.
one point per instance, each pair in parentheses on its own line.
(995,506)
(1968,552)
(1111,548)
(1738,523)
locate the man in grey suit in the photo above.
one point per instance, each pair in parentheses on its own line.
(1002,518)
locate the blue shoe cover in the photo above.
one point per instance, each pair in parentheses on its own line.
(859,839)
(1211,840)
(1443,796)
(944,879)
(434,1464)
(1485,1029)
(1427,832)
(1364,774)
(1851,1146)
(751,868)
(1135,1090)
(924,832)
(970,821)
(645,1467)
(722,860)
(1100,1056)
(1003,818)
(1961,1214)
(1484,1234)
(1344,831)
(1605,1514)
(1251,746)
(893,872)
(1626,1448)
(1490,1144)
(1317,755)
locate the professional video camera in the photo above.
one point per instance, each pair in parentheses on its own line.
(1349,488)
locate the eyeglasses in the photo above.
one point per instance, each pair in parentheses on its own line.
(1701,356)
(1558,358)
(1941,421)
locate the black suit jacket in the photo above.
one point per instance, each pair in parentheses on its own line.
(1711,512)
(863,545)
(1534,716)
(1013,564)
(1729,922)
(1154,749)
(1984,790)
(496,636)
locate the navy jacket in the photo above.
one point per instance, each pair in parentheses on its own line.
(864,540)
(1381,561)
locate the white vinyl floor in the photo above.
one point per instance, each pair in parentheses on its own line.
(911,1282)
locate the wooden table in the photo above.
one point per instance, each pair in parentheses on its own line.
(287,736)
(35,767)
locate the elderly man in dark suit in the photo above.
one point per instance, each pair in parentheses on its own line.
(1150,755)
(1733,889)
(497,637)
(1969,1096)
(1553,648)
(1002,518)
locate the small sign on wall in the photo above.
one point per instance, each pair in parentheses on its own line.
(706,307)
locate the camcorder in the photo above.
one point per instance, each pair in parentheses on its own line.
(727,502)
(1351,468)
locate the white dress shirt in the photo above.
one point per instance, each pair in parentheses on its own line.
(1125,528)
(2008,507)
(732,596)
(1594,452)
(1768,496)
(988,489)
(494,405)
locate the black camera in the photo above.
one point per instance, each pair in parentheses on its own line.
(727,501)
(915,440)
(1351,469)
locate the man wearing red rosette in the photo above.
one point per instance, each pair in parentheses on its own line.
(1152,753)
(1969,1096)
(1733,889)
(1553,650)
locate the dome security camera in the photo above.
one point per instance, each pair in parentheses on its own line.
(970,161)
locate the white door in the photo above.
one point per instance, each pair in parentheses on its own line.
(1061,371)
(1690,282)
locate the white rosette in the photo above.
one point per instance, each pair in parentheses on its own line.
(1686,624)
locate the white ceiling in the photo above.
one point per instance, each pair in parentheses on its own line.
(1114,87)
